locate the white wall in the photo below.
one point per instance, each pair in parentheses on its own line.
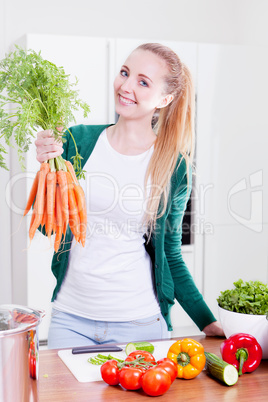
(5,249)
(211,21)
(252,21)
(185,20)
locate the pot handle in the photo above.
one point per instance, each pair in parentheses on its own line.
(41,312)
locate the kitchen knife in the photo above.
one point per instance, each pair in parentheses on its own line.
(95,349)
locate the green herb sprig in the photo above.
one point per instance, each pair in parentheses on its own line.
(34,94)
(247,298)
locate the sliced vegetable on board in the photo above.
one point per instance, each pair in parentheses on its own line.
(221,370)
(189,356)
(35,94)
(242,351)
(100,359)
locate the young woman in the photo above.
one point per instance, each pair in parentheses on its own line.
(121,285)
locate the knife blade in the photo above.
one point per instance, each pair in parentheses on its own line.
(95,349)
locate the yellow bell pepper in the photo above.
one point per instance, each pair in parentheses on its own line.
(189,355)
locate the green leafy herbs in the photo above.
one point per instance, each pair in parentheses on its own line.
(247,298)
(35,94)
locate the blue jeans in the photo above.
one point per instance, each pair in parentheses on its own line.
(68,330)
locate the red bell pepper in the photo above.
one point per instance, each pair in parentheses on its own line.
(32,360)
(242,351)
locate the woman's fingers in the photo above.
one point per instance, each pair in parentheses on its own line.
(44,134)
(44,155)
(46,146)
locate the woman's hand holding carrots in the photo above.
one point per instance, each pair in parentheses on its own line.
(46,146)
(58,200)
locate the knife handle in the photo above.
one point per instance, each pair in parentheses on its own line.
(95,349)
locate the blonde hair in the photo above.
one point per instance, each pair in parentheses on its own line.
(174,129)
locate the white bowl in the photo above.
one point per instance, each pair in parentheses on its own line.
(255,325)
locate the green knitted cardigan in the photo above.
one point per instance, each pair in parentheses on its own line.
(172,279)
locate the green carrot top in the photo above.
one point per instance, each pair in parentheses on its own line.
(34,94)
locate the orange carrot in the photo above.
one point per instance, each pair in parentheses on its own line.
(57,242)
(62,181)
(44,218)
(64,228)
(70,169)
(32,194)
(32,217)
(81,205)
(45,166)
(54,226)
(51,192)
(74,221)
(39,203)
(59,222)
(39,195)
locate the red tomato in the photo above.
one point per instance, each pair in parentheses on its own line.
(32,360)
(148,357)
(32,363)
(156,381)
(170,366)
(130,377)
(110,372)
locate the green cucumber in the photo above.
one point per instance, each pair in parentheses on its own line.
(221,370)
(132,346)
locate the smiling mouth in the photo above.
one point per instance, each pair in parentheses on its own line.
(126,101)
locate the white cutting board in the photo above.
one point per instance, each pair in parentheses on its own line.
(86,372)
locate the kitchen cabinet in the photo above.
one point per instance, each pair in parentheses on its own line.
(229,221)
(226,259)
(231,182)
(232,130)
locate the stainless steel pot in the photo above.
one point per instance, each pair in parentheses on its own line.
(19,353)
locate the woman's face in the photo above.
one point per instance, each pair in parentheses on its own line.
(139,86)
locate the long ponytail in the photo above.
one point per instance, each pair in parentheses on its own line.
(174,129)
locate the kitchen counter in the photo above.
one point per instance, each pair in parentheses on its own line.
(56,383)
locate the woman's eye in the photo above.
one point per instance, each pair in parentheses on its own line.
(123,73)
(143,83)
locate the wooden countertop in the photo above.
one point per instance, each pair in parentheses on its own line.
(57,384)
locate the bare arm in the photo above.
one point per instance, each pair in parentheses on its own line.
(214,329)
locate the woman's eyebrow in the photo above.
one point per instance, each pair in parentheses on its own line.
(140,75)
(145,76)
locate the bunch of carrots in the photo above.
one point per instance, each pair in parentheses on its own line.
(58,200)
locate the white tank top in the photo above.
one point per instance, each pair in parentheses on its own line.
(110,279)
